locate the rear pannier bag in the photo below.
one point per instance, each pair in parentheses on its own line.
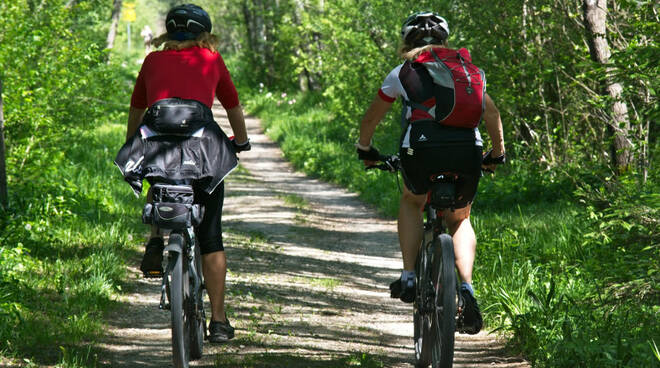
(172,207)
(443,85)
(177,116)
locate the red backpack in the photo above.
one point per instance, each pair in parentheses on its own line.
(443,85)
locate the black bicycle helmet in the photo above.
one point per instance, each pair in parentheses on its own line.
(424,28)
(187,21)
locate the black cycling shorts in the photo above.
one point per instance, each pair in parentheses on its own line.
(209,232)
(437,149)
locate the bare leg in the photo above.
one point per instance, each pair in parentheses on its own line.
(409,226)
(465,241)
(215,272)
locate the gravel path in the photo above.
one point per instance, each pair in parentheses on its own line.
(309,266)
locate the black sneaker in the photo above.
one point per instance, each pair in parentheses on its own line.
(220,331)
(469,320)
(152,261)
(407,294)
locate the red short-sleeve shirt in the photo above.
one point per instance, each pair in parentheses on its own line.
(194,73)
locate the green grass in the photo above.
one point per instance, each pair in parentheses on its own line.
(64,245)
(326,283)
(295,201)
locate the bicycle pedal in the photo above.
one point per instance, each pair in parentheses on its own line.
(152,274)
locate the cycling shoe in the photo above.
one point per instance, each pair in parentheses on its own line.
(404,292)
(220,331)
(469,320)
(152,261)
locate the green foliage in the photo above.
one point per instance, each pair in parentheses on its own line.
(66,231)
(551,95)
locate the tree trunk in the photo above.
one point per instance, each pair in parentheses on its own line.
(304,82)
(4,197)
(595,16)
(256,33)
(254,24)
(114,23)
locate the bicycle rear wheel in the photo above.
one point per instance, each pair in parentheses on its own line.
(197,317)
(421,312)
(443,325)
(179,283)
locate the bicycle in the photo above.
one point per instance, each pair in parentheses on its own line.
(182,281)
(435,304)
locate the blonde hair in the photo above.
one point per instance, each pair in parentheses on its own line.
(411,53)
(204,40)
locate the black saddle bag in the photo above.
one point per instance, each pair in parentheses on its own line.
(443,191)
(173,207)
(177,116)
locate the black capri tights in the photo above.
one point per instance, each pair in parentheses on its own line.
(209,232)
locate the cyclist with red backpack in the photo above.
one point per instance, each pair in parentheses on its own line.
(444,99)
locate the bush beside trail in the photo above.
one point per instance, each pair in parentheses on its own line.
(70,220)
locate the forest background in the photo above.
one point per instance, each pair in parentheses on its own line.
(569,252)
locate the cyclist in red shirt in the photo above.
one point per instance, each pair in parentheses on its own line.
(428,147)
(190,68)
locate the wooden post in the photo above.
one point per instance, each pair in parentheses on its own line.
(4,196)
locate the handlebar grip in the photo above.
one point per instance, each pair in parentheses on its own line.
(388,163)
(488,159)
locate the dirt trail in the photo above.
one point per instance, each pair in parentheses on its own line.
(309,266)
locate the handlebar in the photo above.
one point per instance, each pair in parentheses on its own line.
(392,163)
(388,163)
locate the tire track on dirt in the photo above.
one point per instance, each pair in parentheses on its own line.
(309,266)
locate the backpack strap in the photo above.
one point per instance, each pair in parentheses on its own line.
(404,112)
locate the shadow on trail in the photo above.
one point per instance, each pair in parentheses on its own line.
(327,240)
(266,262)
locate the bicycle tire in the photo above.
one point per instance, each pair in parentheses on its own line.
(421,318)
(423,341)
(197,318)
(180,352)
(444,317)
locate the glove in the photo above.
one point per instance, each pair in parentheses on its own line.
(371,155)
(490,160)
(241,147)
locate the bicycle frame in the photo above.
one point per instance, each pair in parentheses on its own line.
(432,227)
(182,283)
(434,305)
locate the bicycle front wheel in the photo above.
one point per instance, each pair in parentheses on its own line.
(179,282)
(443,325)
